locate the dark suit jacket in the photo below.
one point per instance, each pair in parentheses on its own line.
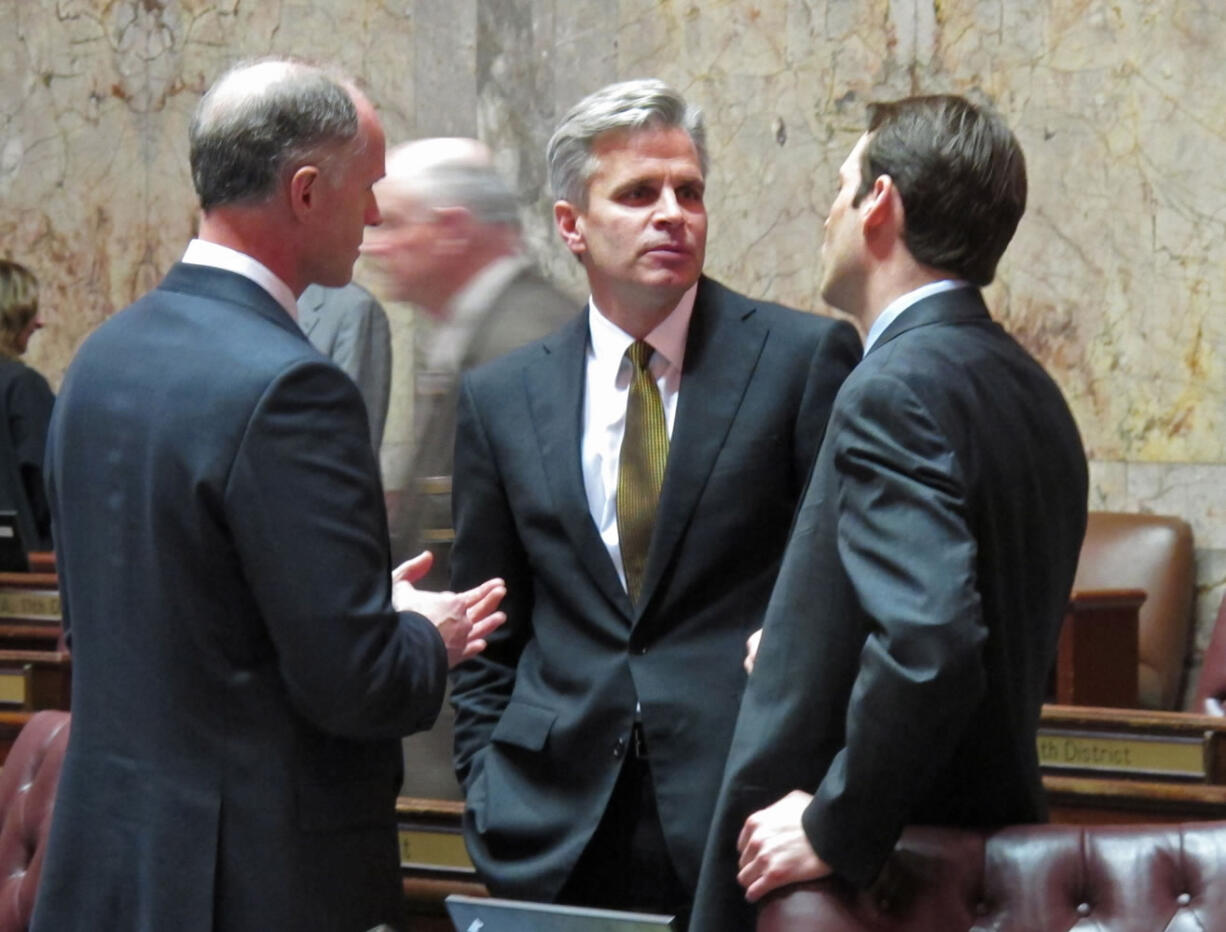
(908,642)
(239,675)
(25,407)
(350,327)
(544,717)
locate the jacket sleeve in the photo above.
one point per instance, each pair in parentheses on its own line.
(487,544)
(905,541)
(363,348)
(304,506)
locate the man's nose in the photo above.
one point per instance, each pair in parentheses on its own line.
(668,208)
(373,217)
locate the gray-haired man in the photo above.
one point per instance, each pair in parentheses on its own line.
(450,243)
(591,735)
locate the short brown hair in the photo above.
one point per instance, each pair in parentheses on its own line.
(18,303)
(961,175)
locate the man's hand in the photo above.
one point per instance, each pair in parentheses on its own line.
(464,620)
(775,850)
(751,650)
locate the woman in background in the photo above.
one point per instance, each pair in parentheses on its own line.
(25,408)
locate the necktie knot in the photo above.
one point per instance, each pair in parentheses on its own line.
(640,354)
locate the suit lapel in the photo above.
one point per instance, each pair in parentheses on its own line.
(721,351)
(555,386)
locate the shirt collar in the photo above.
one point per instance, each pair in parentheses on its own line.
(608,342)
(894,309)
(214,255)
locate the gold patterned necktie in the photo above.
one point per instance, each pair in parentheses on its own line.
(640,471)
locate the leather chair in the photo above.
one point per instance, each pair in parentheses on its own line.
(1154,553)
(1036,878)
(1210,696)
(27,794)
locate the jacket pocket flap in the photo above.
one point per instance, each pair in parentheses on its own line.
(525,726)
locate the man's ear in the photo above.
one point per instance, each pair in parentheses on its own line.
(569,221)
(882,204)
(303,191)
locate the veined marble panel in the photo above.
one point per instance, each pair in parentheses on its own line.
(1116,279)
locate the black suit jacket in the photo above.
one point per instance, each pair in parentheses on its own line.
(908,642)
(239,675)
(26,401)
(544,716)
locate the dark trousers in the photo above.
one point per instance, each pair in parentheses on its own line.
(626,864)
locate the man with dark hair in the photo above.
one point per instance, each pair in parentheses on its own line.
(632,477)
(907,644)
(243,660)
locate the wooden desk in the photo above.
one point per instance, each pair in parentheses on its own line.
(30,611)
(433,861)
(35,679)
(1096,661)
(1127,765)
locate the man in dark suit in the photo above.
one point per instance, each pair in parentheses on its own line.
(450,243)
(633,476)
(242,665)
(350,327)
(908,642)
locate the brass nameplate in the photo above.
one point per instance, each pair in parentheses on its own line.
(439,849)
(13,683)
(1151,755)
(30,603)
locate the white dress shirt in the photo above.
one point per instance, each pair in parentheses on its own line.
(895,308)
(214,255)
(604,405)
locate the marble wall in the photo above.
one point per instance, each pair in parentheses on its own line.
(1117,278)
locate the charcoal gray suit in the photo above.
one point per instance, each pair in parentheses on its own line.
(544,717)
(908,642)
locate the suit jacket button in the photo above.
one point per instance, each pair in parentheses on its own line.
(619,748)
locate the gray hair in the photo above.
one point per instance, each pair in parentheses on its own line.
(262,119)
(645,103)
(477,188)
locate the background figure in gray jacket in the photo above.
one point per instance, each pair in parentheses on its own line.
(350,327)
(449,243)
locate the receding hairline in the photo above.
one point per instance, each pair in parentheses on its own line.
(410,163)
(246,82)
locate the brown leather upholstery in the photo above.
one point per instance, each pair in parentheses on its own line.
(1036,878)
(1211,687)
(27,793)
(1154,553)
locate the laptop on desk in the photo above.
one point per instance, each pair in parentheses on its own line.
(482,914)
